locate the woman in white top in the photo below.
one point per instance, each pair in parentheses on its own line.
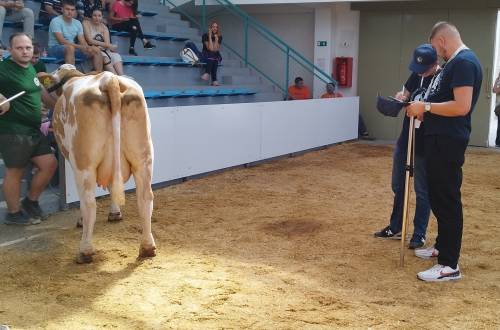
(97,34)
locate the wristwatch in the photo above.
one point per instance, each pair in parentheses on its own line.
(427,106)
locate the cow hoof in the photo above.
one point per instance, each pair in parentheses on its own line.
(79,223)
(84,258)
(114,217)
(149,252)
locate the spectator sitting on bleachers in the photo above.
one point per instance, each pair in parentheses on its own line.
(106,5)
(89,6)
(16,12)
(49,9)
(123,17)
(211,52)
(299,91)
(331,92)
(97,34)
(37,63)
(63,31)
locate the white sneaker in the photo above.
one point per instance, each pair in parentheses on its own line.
(439,273)
(427,253)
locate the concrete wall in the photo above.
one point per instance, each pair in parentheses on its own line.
(295,26)
(267,2)
(494,122)
(301,26)
(199,139)
(339,26)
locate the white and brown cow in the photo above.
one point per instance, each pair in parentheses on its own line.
(102,127)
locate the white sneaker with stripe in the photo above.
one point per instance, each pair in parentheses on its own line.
(440,273)
(427,253)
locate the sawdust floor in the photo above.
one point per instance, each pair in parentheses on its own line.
(283,245)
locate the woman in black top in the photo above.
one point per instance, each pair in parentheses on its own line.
(211,55)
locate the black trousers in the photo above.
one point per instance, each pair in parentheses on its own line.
(132,26)
(497,141)
(444,158)
(211,68)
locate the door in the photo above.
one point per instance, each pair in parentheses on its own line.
(379,62)
(478,28)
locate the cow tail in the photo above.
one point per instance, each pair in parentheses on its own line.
(114,94)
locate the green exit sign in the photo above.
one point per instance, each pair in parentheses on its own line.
(321,43)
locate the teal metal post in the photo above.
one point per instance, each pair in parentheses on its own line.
(246,41)
(287,67)
(204,17)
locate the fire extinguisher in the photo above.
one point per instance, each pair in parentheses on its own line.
(342,73)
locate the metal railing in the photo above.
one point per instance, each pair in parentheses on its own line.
(251,24)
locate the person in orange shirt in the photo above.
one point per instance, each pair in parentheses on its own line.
(299,91)
(331,92)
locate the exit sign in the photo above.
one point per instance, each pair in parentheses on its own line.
(321,43)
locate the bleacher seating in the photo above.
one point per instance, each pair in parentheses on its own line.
(165,79)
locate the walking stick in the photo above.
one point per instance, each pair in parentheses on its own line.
(12,98)
(410,158)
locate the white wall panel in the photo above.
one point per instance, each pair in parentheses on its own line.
(200,139)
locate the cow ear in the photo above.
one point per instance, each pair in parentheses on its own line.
(46,79)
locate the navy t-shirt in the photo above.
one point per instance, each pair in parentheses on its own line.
(463,70)
(417,88)
(204,38)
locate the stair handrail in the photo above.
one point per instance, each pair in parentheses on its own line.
(264,32)
(267,33)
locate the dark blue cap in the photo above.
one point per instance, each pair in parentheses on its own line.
(389,106)
(424,57)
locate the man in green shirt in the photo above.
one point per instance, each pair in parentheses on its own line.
(37,63)
(21,141)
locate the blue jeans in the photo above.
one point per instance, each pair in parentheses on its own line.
(57,51)
(423,209)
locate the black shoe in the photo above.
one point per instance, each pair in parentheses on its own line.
(387,233)
(366,136)
(131,51)
(148,45)
(20,219)
(416,242)
(32,208)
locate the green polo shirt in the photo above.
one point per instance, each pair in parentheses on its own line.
(40,67)
(24,116)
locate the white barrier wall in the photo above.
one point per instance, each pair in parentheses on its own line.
(198,139)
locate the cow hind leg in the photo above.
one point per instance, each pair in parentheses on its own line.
(86,183)
(142,177)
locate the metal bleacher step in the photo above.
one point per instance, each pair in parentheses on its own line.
(200,92)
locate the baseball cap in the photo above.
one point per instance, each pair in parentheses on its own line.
(389,106)
(424,56)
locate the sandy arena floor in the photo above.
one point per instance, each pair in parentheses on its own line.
(283,245)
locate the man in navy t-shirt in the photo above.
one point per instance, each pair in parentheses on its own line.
(449,102)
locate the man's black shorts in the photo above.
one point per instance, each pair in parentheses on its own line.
(17,150)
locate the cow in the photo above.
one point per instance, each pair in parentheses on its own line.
(102,128)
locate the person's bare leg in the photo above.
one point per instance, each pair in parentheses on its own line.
(119,68)
(12,188)
(47,165)
(110,68)
(69,55)
(97,59)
